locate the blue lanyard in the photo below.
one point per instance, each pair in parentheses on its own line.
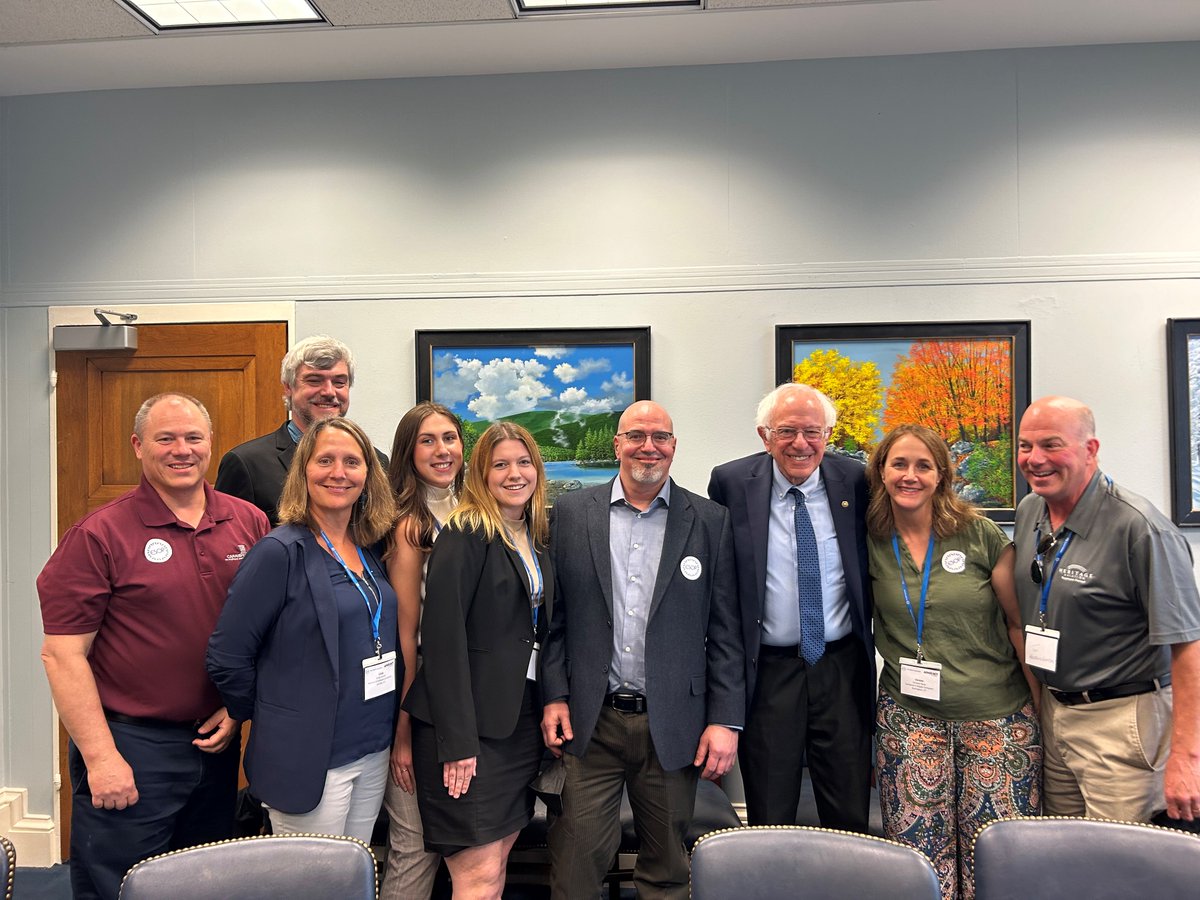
(535,587)
(1048,579)
(354,580)
(919,617)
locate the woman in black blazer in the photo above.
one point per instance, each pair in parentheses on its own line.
(475,705)
(306,643)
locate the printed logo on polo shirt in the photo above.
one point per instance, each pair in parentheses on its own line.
(954,561)
(1075,573)
(233,557)
(157,550)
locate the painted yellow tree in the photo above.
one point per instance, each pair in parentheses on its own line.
(855,388)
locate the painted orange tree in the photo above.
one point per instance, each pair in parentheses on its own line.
(962,390)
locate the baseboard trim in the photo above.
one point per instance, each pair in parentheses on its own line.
(34,837)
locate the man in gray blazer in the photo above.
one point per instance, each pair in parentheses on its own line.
(643,668)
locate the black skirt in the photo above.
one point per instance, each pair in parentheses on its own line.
(498,802)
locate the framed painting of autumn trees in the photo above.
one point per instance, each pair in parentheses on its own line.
(1183,391)
(968,381)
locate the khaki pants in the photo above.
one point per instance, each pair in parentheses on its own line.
(1106,760)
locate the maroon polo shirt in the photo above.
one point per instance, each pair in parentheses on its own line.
(151,587)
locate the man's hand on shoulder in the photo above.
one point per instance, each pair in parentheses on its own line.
(717,751)
(111,782)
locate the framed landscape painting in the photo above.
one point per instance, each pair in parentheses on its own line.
(968,381)
(568,387)
(1183,391)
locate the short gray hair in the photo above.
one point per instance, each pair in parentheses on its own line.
(143,413)
(319,352)
(766,406)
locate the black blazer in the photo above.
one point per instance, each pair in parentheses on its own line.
(694,667)
(256,470)
(476,639)
(743,486)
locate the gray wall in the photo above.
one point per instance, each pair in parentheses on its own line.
(709,203)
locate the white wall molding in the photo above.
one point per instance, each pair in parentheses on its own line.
(805,276)
(34,837)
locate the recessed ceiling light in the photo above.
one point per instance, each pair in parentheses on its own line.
(167,15)
(575,6)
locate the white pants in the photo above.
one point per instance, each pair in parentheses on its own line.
(349,805)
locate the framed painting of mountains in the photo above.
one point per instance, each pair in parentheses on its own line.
(567,386)
(968,381)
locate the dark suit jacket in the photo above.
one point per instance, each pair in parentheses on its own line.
(743,486)
(274,659)
(476,639)
(694,665)
(256,470)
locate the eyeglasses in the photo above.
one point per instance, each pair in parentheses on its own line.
(1037,568)
(788,434)
(660,438)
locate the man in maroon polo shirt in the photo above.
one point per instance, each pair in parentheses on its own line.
(129,600)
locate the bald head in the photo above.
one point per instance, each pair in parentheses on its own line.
(645,447)
(1056,451)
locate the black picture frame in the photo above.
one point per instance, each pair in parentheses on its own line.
(553,374)
(1183,401)
(992,482)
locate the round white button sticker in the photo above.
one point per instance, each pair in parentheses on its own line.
(157,550)
(954,561)
(690,567)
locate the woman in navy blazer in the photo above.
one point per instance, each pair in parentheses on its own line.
(306,644)
(475,706)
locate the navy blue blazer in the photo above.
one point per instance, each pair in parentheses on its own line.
(694,668)
(274,659)
(743,486)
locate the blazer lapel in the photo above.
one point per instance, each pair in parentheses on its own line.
(598,530)
(841,507)
(680,517)
(284,447)
(322,597)
(758,506)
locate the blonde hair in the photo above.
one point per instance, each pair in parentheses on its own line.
(478,509)
(375,511)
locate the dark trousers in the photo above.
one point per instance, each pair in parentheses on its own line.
(185,797)
(584,839)
(821,713)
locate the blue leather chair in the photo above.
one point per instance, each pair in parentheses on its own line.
(8,866)
(776,861)
(1054,857)
(296,866)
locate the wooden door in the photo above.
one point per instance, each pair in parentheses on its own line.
(232,368)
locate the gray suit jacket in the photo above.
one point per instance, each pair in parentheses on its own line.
(694,657)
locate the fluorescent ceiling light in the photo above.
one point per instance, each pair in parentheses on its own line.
(169,14)
(550,6)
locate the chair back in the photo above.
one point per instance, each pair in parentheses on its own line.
(8,866)
(1096,859)
(299,867)
(769,862)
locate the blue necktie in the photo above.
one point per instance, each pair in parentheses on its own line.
(808,579)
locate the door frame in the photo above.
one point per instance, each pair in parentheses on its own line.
(148,314)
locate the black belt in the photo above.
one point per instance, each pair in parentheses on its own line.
(626,702)
(1117,691)
(146,722)
(793,650)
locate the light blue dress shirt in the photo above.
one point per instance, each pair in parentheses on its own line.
(781,615)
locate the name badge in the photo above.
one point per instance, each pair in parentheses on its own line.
(920,679)
(531,674)
(379,675)
(1041,647)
